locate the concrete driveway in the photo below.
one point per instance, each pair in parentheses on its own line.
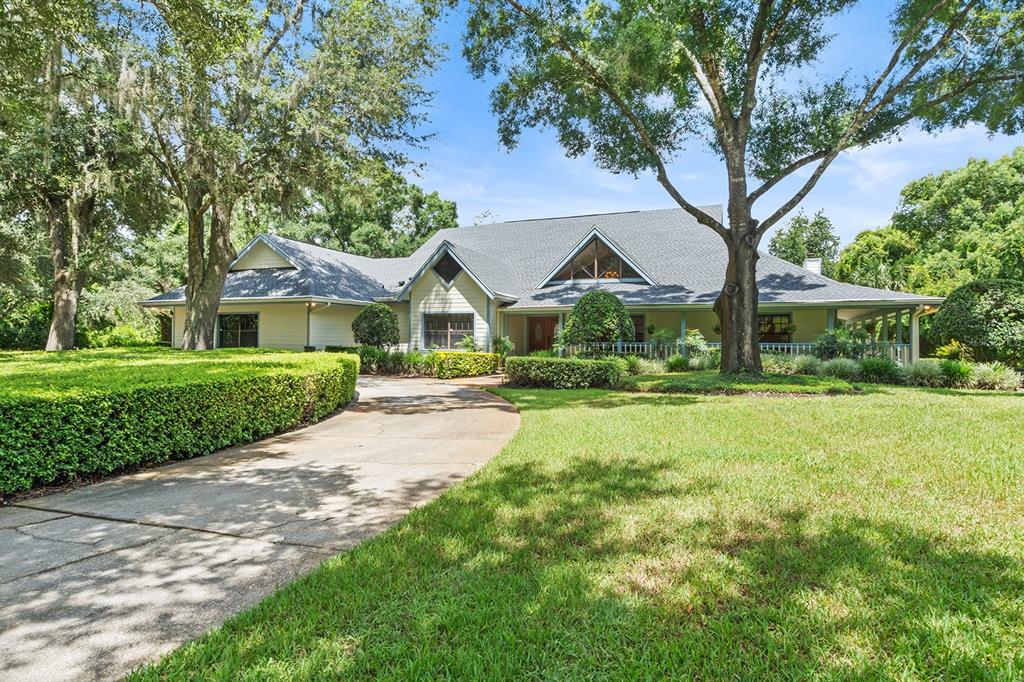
(97,580)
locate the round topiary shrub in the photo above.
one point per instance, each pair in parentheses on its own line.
(598,317)
(987,317)
(376,325)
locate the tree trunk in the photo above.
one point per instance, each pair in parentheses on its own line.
(736,306)
(207,270)
(68,278)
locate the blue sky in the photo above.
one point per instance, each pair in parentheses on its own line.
(860,191)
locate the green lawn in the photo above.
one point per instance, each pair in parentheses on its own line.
(634,536)
(25,374)
(713,381)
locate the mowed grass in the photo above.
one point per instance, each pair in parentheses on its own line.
(634,536)
(713,381)
(39,374)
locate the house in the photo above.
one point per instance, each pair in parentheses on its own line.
(519,279)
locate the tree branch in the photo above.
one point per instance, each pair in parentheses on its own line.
(784,173)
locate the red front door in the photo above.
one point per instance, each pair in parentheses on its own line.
(541,332)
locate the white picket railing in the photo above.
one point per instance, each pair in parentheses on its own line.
(900,352)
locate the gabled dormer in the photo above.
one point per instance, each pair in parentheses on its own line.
(261,254)
(596,259)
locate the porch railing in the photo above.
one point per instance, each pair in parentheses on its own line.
(900,352)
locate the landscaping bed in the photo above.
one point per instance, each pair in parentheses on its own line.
(87,413)
(712,381)
(633,536)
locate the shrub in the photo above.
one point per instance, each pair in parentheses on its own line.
(598,317)
(774,363)
(543,354)
(696,344)
(987,317)
(806,364)
(632,365)
(59,436)
(376,325)
(121,336)
(840,343)
(957,373)
(880,370)
(996,376)
(954,350)
(26,327)
(923,373)
(420,363)
(562,372)
(677,363)
(449,365)
(468,344)
(649,366)
(503,346)
(711,360)
(841,368)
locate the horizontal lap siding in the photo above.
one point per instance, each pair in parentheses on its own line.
(810,323)
(332,325)
(260,257)
(282,325)
(428,295)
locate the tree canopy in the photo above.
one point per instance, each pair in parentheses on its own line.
(804,238)
(949,229)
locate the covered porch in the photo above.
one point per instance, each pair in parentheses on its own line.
(893,329)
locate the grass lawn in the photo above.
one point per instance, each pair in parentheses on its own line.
(634,536)
(31,374)
(713,381)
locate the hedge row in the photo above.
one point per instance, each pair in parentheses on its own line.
(464,364)
(562,372)
(49,439)
(442,364)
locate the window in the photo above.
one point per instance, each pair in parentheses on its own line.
(775,328)
(238,331)
(639,327)
(447,268)
(445,331)
(596,261)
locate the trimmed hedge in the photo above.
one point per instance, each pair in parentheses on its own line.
(464,364)
(562,372)
(48,438)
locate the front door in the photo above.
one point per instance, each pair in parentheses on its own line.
(541,332)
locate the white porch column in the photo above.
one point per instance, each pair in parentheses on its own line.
(830,319)
(915,334)
(899,326)
(884,338)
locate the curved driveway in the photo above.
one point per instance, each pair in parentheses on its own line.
(97,580)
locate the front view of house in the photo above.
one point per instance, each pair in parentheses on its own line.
(519,279)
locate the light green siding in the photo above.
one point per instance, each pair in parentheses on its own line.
(429,295)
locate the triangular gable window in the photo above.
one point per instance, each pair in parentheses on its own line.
(447,268)
(596,260)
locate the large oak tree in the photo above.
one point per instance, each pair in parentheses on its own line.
(635,82)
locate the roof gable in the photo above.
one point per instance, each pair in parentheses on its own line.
(595,235)
(260,254)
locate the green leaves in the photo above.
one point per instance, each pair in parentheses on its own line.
(807,237)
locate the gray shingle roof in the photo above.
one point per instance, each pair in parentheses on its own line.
(686,259)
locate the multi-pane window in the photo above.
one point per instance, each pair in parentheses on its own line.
(775,328)
(447,268)
(639,327)
(445,331)
(596,261)
(238,331)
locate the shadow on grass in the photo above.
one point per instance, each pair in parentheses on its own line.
(625,569)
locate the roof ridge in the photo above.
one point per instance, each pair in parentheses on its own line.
(585,215)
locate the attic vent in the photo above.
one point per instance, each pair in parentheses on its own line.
(447,268)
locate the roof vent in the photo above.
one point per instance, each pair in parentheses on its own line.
(813,265)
